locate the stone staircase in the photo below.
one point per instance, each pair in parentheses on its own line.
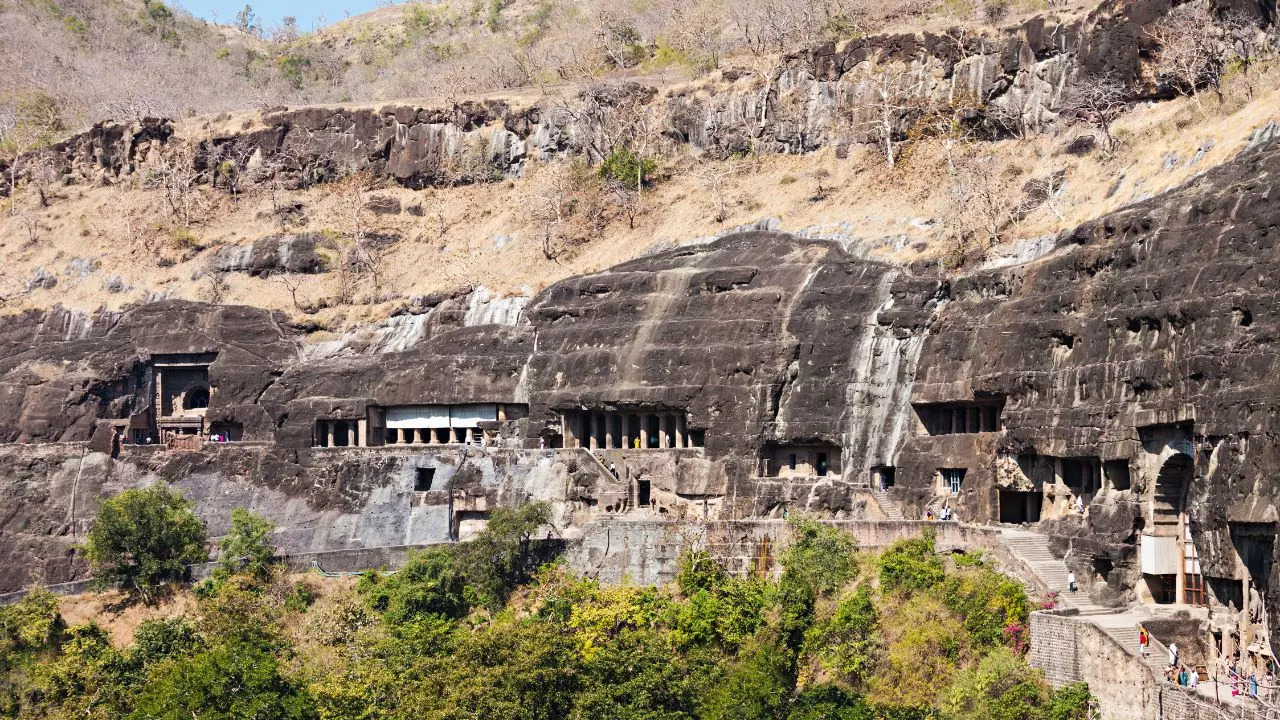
(887,506)
(1033,550)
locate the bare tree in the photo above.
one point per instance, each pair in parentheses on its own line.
(714,179)
(175,173)
(292,283)
(1097,100)
(359,255)
(1187,57)
(891,104)
(218,286)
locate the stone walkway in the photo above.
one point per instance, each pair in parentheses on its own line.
(1032,549)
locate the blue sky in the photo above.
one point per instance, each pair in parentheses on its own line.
(269,12)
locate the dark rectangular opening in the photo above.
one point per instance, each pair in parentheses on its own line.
(1117,474)
(226,431)
(953,478)
(642,493)
(422,479)
(1018,506)
(1073,473)
(960,417)
(697,438)
(1163,588)
(791,462)
(823,465)
(882,477)
(654,429)
(1255,544)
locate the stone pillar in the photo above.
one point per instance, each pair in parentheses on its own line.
(591,432)
(608,432)
(159,393)
(328,427)
(362,433)
(644,431)
(663,431)
(624,422)
(351,434)
(467,436)
(502,413)
(680,431)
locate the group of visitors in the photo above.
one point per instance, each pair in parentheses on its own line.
(219,438)
(1242,684)
(1183,676)
(946,513)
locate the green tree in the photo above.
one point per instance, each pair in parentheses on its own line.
(639,677)
(629,168)
(1072,702)
(758,685)
(160,639)
(88,678)
(911,565)
(429,584)
(502,556)
(849,643)
(247,547)
(830,702)
(31,623)
(229,681)
(1001,687)
(143,539)
(699,571)
(821,556)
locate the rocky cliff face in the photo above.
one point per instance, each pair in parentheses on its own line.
(1012,80)
(1132,366)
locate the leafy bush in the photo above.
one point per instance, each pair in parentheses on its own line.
(848,644)
(757,686)
(226,682)
(247,547)
(1001,687)
(830,702)
(911,565)
(626,167)
(698,571)
(820,556)
(31,623)
(143,539)
(160,639)
(430,583)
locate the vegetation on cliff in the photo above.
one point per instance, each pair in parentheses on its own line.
(480,630)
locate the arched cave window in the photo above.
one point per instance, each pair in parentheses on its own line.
(196,398)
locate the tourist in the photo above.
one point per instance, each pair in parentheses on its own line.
(1253,686)
(542,443)
(637,443)
(928,515)
(1079,504)
(613,469)
(1173,654)
(1071,581)
(1194,680)
(1143,640)
(1183,678)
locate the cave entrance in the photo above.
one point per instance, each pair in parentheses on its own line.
(1170,563)
(1017,506)
(643,493)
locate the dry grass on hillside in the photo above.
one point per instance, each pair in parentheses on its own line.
(121,619)
(124,237)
